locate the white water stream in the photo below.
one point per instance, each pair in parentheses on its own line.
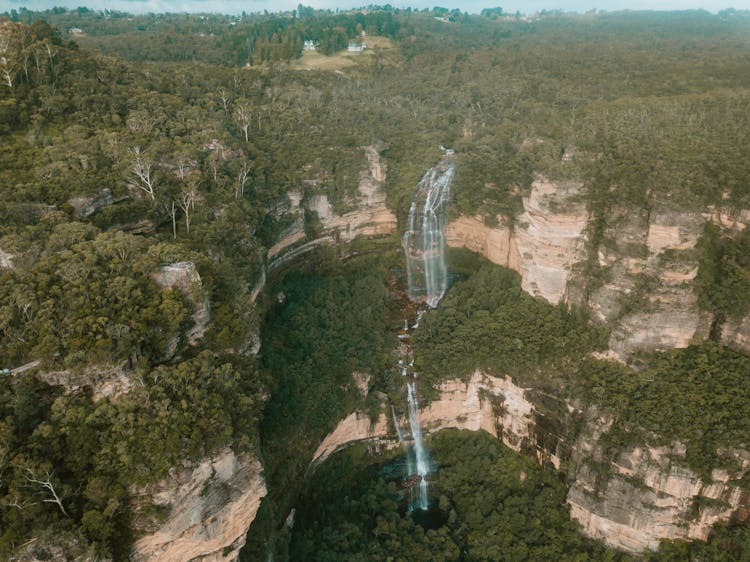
(424,239)
(427,278)
(422,458)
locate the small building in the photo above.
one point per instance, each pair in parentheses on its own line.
(355,47)
(309,45)
(75,31)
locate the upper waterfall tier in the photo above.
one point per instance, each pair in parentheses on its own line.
(424,239)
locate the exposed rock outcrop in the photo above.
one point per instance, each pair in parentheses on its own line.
(497,243)
(105,381)
(369,215)
(357,426)
(649,299)
(5,260)
(550,237)
(85,206)
(547,241)
(211,507)
(647,262)
(184,276)
(735,333)
(650,496)
(631,502)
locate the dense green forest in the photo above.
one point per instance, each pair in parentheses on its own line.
(324,326)
(496,504)
(698,395)
(131,143)
(488,322)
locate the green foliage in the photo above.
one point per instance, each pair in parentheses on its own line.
(92,451)
(321,329)
(723,279)
(498,505)
(698,396)
(488,322)
(662,122)
(726,543)
(88,297)
(491,176)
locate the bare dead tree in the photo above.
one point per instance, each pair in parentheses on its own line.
(243,116)
(187,203)
(225,98)
(239,190)
(51,54)
(20,505)
(8,55)
(173,214)
(7,71)
(142,172)
(45,483)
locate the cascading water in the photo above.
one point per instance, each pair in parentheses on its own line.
(424,239)
(422,460)
(401,439)
(427,278)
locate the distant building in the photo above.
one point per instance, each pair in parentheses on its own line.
(309,45)
(75,31)
(355,47)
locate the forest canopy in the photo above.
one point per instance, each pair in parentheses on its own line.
(131,143)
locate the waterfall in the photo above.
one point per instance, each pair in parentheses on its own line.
(422,460)
(427,279)
(424,239)
(401,439)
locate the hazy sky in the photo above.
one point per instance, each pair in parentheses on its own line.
(237,6)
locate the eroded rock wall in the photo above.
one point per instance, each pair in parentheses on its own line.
(368,216)
(185,277)
(632,502)
(210,508)
(550,237)
(646,263)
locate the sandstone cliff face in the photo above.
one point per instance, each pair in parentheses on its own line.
(645,494)
(647,264)
(545,244)
(369,215)
(184,276)
(550,237)
(655,279)
(736,333)
(210,507)
(651,496)
(497,244)
(543,247)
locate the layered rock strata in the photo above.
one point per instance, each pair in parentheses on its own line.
(210,508)
(369,215)
(643,287)
(630,502)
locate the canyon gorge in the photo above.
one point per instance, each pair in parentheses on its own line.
(645,494)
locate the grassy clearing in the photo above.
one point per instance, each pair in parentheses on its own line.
(376,46)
